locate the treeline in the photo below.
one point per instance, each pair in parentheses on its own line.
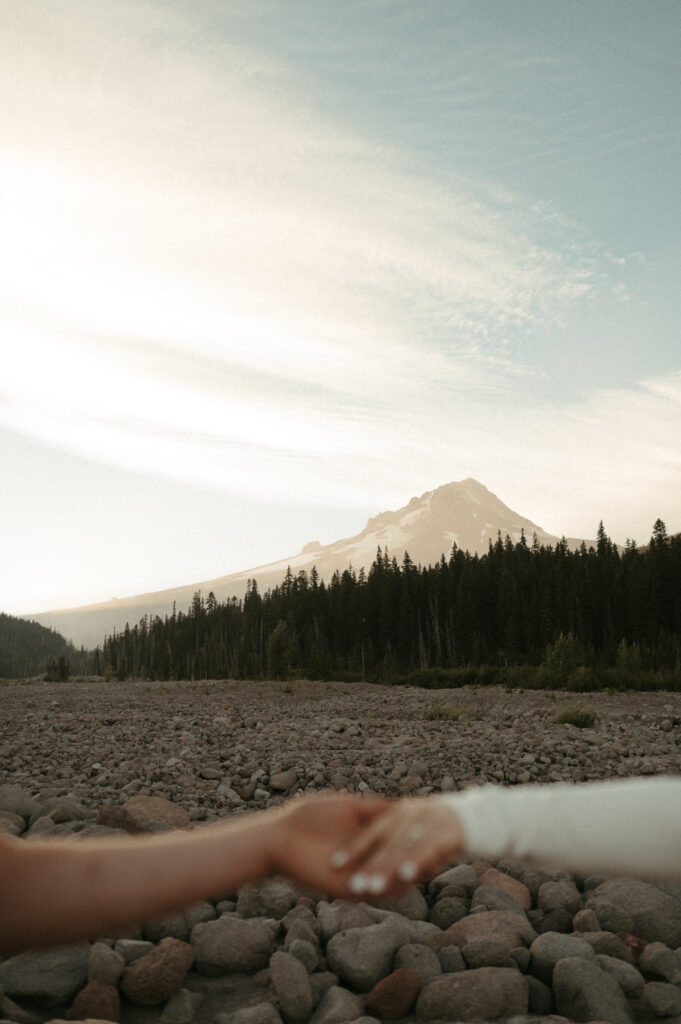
(29,649)
(521,612)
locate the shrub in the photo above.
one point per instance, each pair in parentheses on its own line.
(578,715)
(442,713)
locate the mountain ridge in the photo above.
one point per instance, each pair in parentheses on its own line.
(462,512)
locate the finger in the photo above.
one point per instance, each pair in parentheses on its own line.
(361,846)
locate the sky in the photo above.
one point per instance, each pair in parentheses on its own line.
(270,268)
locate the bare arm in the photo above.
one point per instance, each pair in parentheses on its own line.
(53,892)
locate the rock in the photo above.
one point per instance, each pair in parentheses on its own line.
(464,875)
(656,915)
(181,1008)
(282,781)
(260,1013)
(583,991)
(451,960)
(412,905)
(174,926)
(504,925)
(12,824)
(492,898)
(611,918)
(46,979)
(266,899)
(339,916)
(447,911)
(320,982)
(506,883)
(306,952)
(540,996)
(626,976)
(658,960)
(12,1013)
(662,998)
(551,947)
(362,956)
(292,987)
(157,976)
(486,953)
(337,1006)
(138,811)
(561,895)
(231,945)
(133,949)
(97,1000)
(607,944)
(482,994)
(393,996)
(17,800)
(420,959)
(104,964)
(585,921)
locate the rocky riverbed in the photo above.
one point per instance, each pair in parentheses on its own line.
(480,942)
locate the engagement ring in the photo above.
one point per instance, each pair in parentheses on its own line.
(416,833)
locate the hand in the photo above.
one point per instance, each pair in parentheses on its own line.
(309,830)
(414,839)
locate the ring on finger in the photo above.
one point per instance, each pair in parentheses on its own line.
(416,833)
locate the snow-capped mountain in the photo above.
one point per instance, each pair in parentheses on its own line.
(465,513)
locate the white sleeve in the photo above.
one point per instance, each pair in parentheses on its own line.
(625,827)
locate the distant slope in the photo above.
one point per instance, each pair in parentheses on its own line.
(465,513)
(26,647)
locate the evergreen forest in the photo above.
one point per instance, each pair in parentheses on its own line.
(28,649)
(521,614)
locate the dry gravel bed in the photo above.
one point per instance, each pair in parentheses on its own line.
(219,748)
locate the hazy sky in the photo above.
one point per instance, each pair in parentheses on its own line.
(268,268)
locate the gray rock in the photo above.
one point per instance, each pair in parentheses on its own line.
(197,914)
(292,986)
(658,960)
(320,982)
(451,960)
(173,926)
(586,921)
(482,994)
(266,899)
(281,781)
(662,998)
(495,899)
(540,996)
(583,991)
(104,964)
(551,947)
(259,1013)
(339,916)
(133,949)
(46,979)
(305,952)
(611,918)
(503,925)
(608,944)
(362,956)
(231,945)
(337,1006)
(655,914)
(17,800)
(421,959)
(626,975)
(412,905)
(182,1007)
(487,953)
(447,911)
(561,895)
(464,875)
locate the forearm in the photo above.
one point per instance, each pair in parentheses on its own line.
(53,892)
(630,826)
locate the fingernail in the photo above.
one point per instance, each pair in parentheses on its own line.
(407,871)
(377,883)
(359,883)
(339,859)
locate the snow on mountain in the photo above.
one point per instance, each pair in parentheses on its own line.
(465,513)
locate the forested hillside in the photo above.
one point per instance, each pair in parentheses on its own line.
(28,649)
(565,616)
